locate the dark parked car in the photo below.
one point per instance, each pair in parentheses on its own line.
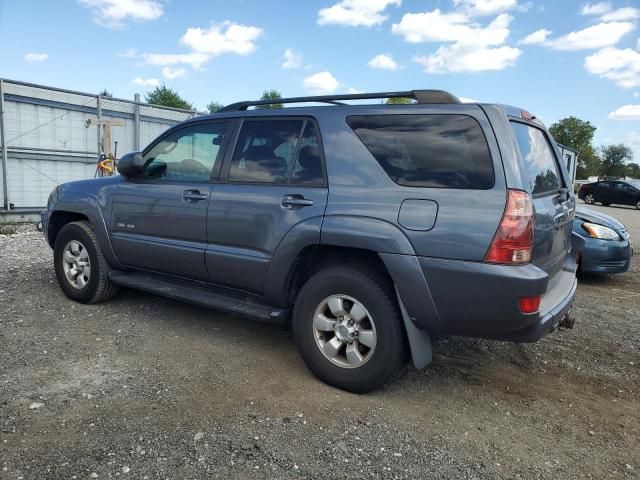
(607,247)
(611,191)
(370,227)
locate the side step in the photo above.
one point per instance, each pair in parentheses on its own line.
(202,295)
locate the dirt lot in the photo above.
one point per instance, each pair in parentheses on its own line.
(144,387)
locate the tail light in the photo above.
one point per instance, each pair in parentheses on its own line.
(513,241)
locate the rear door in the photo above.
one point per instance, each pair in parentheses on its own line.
(273,182)
(554,209)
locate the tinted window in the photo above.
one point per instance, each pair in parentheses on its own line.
(308,166)
(187,155)
(265,151)
(540,164)
(428,150)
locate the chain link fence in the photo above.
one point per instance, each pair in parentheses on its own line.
(48,136)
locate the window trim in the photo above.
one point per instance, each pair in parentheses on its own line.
(562,183)
(226,167)
(484,134)
(215,171)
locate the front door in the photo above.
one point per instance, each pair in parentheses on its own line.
(159,218)
(274,182)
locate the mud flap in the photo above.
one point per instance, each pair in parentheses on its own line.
(419,340)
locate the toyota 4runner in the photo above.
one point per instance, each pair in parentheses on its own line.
(369,226)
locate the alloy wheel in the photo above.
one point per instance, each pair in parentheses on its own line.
(344,331)
(76,264)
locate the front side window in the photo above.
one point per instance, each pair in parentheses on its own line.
(539,160)
(446,151)
(277,152)
(187,155)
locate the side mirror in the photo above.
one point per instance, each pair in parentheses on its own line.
(131,165)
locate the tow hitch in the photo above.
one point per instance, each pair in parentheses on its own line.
(567,322)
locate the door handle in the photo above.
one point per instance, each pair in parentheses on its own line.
(193,196)
(295,201)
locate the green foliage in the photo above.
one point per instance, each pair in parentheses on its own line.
(578,134)
(633,170)
(270,95)
(399,100)
(214,106)
(167,97)
(614,160)
(105,93)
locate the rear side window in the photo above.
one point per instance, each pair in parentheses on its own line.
(540,163)
(446,151)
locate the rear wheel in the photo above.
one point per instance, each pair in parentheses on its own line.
(590,198)
(80,267)
(638,204)
(606,204)
(348,328)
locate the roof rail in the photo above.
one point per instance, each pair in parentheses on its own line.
(421,96)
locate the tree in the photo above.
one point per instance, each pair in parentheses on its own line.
(399,101)
(614,158)
(214,106)
(578,134)
(633,170)
(270,95)
(105,93)
(167,97)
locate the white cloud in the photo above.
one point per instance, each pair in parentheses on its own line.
(356,13)
(621,14)
(32,57)
(114,13)
(537,37)
(461,57)
(633,139)
(292,60)
(436,26)
(384,62)
(195,59)
(626,112)
(227,37)
(595,36)
(474,47)
(620,65)
(148,82)
(354,91)
(321,83)
(596,8)
(171,73)
(486,7)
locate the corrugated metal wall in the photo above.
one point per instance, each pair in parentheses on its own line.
(49,143)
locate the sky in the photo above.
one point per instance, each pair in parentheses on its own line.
(554,58)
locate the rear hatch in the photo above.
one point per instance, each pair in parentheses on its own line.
(553,206)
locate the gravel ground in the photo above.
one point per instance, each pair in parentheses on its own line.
(145,387)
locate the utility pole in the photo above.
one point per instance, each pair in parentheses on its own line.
(106,161)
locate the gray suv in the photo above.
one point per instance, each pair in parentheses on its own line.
(369,227)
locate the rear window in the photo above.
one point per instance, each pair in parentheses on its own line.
(540,163)
(447,151)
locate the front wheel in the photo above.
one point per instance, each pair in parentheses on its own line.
(348,328)
(590,198)
(638,204)
(80,267)
(605,204)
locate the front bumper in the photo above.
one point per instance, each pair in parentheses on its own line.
(605,256)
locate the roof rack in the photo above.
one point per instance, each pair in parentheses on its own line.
(421,96)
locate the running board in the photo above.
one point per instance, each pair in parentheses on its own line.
(202,295)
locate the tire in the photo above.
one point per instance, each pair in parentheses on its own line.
(589,199)
(638,204)
(78,240)
(605,204)
(371,290)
